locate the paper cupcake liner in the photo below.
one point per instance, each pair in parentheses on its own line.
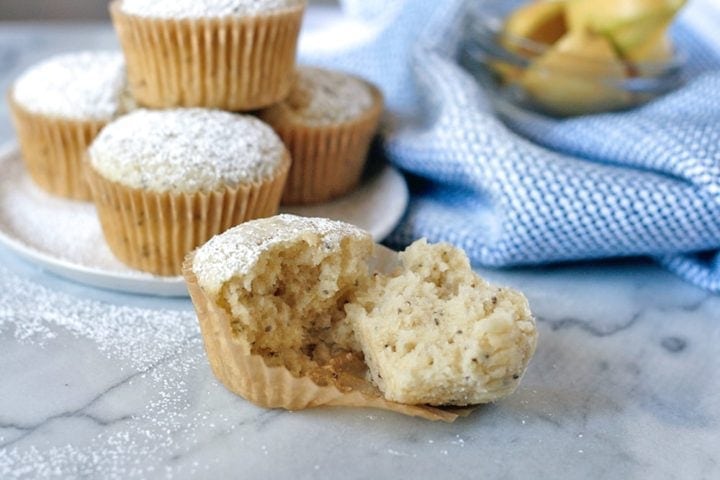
(248,375)
(153,231)
(328,160)
(236,64)
(53,150)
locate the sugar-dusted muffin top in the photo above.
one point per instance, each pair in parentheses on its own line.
(325,97)
(434,332)
(186,150)
(205,8)
(235,253)
(75,86)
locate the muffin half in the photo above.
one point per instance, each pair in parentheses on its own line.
(434,332)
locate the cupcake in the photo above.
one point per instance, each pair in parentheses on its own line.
(233,55)
(58,106)
(327,123)
(165,182)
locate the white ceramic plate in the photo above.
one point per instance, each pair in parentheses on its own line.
(64,237)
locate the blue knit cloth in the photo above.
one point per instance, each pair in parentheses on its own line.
(530,189)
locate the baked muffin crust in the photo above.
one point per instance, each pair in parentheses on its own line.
(89,85)
(186,150)
(205,8)
(323,97)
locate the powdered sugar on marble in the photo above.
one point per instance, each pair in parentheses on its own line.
(75,86)
(158,348)
(204,8)
(186,150)
(323,97)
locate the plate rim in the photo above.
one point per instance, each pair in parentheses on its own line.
(162,286)
(152,285)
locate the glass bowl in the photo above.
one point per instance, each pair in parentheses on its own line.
(508,66)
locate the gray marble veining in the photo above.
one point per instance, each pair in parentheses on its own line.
(625,382)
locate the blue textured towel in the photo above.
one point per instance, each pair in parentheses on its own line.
(530,189)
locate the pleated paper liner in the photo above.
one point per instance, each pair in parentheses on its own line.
(249,376)
(53,150)
(230,63)
(153,231)
(328,160)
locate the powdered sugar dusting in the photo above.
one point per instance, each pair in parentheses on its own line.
(121,332)
(65,229)
(77,86)
(204,8)
(236,252)
(322,97)
(186,150)
(157,349)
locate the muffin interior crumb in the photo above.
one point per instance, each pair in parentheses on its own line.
(290,309)
(435,333)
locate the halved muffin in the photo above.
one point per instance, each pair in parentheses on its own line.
(292,315)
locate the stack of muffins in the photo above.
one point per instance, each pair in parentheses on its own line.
(157,137)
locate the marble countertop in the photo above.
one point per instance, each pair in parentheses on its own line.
(625,382)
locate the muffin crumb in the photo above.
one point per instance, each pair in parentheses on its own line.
(285,291)
(416,358)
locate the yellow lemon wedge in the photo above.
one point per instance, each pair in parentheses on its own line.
(657,49)
(577,75)
(588,47)
(631,25)
(542,22)
(607,15)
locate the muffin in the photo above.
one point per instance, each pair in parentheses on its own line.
(327,123)
(234,55)
(58,106)
(165,182)
(434,332)
(288,305)
(270,293)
